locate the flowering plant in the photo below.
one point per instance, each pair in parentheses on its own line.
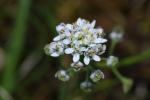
(82,40)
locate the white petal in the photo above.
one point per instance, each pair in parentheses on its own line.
(52,45)
(103,50)
(60,27)
(96,58)
(67,33)
(77,34)
(93,23)
(86,60)
(62,72)
(69,50)
(66,41)
(69,26)
(104,47)
(80,63)
(57,38)
(100,40)
(83,49)
(79,22)
(54,54)
(76,57)
(99,30)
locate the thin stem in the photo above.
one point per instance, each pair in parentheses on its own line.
(126,82)
(130,60)
(63,86)
(63,91)
(87,74)
(134,59)
(117,74)
(112,47)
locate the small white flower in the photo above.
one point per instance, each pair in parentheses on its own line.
(62,75)
(101,49)
(116,36)
(60,27)
(56,49)
(97,75)
(69,26)
(112,61)
(93,52)
(77,65)
(81,22)
(86,86)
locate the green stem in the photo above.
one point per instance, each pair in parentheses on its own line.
(87,75)
(134,59)
(112,47)
(15,45)
(63,86)
(63,91)
(117,74)
(126,82)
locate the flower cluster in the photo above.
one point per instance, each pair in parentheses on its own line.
(77,39)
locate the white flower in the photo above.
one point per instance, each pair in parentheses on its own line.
(86,86)
(60,28)
(115,36)
(93,52)
(62,75)
(112,61)
(56,49)
(102,49)
(97,75)
(77,65)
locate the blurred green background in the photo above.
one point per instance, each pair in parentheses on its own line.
(26,73)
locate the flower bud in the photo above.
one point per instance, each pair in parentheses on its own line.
(86,86)
(97,75)
(112,61)
(117,34)
(62,75)
(46,49)
(77,66)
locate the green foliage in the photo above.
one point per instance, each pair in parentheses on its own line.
(16,45)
